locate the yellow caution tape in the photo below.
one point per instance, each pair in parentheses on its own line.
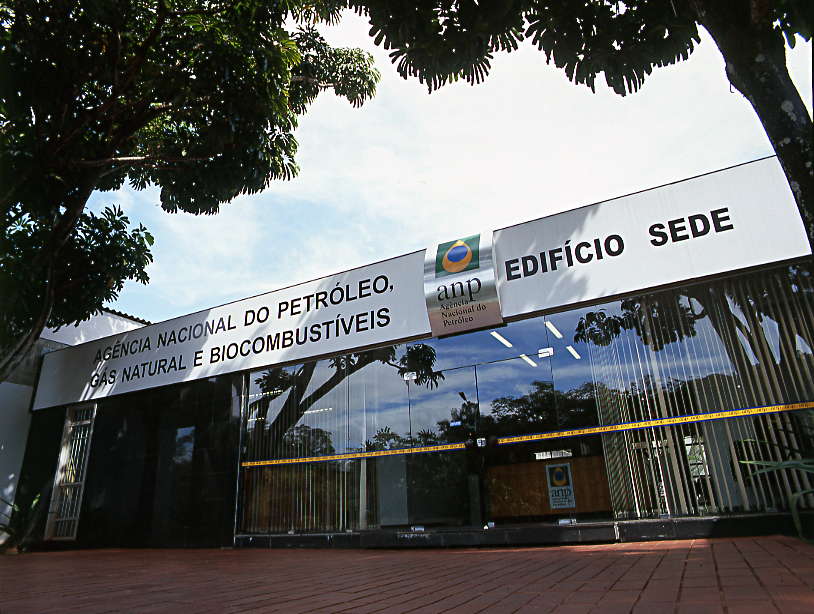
(352,455)
(611,428)
(632,426)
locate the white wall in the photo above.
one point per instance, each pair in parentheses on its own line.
(97,327)
(15,419)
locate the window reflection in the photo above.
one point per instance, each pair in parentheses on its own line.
(693,350)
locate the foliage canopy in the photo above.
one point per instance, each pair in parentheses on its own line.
(439,41)
(198,97)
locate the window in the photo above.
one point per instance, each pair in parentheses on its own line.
(66,499)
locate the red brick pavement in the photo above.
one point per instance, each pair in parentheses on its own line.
(733,576)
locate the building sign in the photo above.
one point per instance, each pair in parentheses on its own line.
(734,219)
(459,286)
(363,307)
(560,486)
(710,225)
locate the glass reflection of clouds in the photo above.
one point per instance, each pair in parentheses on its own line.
(430,406)
(511,341)
(506,378)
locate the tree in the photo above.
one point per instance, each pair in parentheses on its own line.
(198,97)
(98,256)
(294,385)
(440,41)
(735,313)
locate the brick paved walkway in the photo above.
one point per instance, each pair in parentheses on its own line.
(735,576)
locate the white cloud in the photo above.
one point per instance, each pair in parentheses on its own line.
(410,168)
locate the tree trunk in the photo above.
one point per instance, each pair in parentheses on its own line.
(12,355)
(755,55)
(16,347)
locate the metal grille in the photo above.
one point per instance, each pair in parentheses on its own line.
(68,487)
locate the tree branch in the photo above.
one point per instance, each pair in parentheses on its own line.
(10,192)
(142,50)
(209,12)
(22,345)
(66,222)
(313,81)
(131,160)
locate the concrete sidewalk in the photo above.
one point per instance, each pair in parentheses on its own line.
(735,576)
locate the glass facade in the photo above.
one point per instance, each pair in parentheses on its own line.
(503,427)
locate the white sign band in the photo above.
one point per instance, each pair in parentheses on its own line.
(731,220)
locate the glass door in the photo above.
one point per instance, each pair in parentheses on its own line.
(516,399)
(444,485)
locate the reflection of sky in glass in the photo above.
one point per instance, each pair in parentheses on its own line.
(527,337)
(569,372)
(353,408)
(694,357)
(430,406)
(328,412)
(509,378)
(376,397)
(256,393)
(184,443)
(274,408)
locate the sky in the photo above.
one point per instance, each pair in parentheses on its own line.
(408,170)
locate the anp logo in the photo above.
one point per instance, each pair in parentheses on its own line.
(457,256)
(558,476)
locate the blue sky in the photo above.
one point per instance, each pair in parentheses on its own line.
(409,169)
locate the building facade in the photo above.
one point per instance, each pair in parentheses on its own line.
(17,393)
(631,360)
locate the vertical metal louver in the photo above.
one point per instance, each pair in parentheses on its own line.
(679,356)
(735,343)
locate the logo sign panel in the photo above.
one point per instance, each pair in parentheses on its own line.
(457,256)
(560,486)
(459,285)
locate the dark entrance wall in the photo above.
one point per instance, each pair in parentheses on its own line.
(162,469)
(39,466)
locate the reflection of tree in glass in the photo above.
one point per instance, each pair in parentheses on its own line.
(184,443)
(535,411)
(386,439)
(736,312)
(543,409)
(657,321)
(467,415)
(274,383)
(305,440)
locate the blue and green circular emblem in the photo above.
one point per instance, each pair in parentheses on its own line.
(457,256)
(558,476)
